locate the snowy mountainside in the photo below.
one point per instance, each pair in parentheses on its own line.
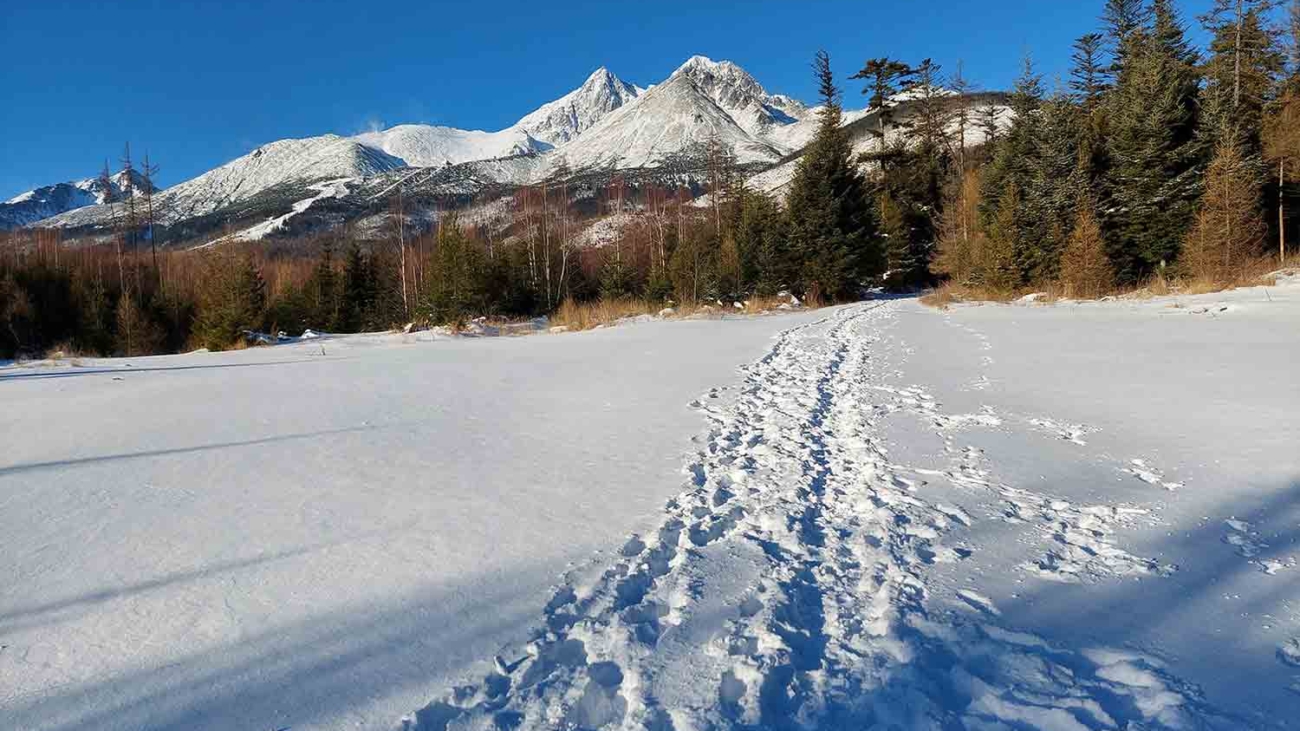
(565,118)
(859,126)
(51,200)
(422,145)
(670,118)
(274,165)
(741,96)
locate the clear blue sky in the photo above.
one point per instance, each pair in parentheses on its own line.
(199,82)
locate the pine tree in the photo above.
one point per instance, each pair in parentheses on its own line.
(1229,229)
(885,77)
(831,224)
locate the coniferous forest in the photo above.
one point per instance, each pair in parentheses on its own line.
(1156,163)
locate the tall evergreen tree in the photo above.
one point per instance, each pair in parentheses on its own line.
(1052,188)
(885,77)
(1011,170)
(1088,75)
(831,223)
(1154,155)
(1246,62)
(1125,22)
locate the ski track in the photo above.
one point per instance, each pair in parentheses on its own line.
(786,587)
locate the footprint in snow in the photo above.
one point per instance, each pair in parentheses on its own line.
(1150,475)
(1289,652)
(979,602)
(1242,537)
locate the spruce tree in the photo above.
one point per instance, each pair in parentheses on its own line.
(1013,169)
(1125,22)
(1051,189)
(997,267)
(358,290)
(1088,75)
(831,223)
(231,299)
(1153,179)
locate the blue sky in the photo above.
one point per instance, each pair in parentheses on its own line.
(199,82)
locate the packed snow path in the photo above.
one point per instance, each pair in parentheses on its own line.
(792,584)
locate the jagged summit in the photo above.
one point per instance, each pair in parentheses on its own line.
(51,200)
(562,120)
(674,117)
(740,94)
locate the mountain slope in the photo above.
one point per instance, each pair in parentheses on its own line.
(562,120)
(293,163)
(741,96)
(51,200)
(422,145)
(673,118)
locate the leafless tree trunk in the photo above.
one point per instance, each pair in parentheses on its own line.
(1236,71)
(401,248)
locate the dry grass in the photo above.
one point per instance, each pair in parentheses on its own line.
(1259,272)
(65,350)
(950,294)
(586,315)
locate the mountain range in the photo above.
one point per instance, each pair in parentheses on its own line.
(604,125)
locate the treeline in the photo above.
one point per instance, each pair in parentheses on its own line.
(1154,160)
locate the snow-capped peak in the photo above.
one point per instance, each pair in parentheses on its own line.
(559,121)
(740,95)
(52,200)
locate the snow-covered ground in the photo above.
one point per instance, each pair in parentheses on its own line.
(320,535)
(1075,516)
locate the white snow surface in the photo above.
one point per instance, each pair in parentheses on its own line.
(559,121)
(423,145)
(303,161)
(673,117)
(892,517)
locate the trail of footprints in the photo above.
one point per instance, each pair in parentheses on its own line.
(835,630)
